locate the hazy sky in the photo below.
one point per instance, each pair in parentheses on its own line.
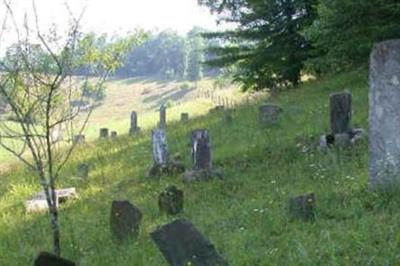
(111,16)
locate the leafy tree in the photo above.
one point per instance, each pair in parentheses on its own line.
(196,56)
(345,31)
(38,83)
(268,46)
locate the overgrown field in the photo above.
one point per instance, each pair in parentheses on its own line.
(245,215)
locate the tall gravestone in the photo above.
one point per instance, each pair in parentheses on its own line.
(201,150)
(268,114)
(340,112)
(160,147)
(384,115)
(182,244)
(163,116)
(134,124)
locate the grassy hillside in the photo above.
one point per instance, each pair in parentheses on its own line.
(245,215)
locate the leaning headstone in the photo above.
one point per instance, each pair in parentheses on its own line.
(114,134)
(83,171)
(340,114)
(182,244)
(49,259)
(39,203)
(103,133)
(184,117)
(163,116)
(170,201)
(79,139)
(268,114)
(134,129)
(384,115)
(125,220)
(303,207)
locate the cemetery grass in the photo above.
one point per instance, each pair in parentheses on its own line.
(245,215)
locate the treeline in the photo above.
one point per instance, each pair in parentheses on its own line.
(168,55)
(277,41)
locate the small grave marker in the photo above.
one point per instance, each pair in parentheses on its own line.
(125,220)
(170,200)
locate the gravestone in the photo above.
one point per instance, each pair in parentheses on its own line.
(182,244)
(125,220)
(268,114)
(103,133)
(201,158)
(340,114)
(79,139)
(83,170)
(163,116)
(201,150)
(184,117)
(340,122)
(170,200)
(161,161)
(160,147)
(39,203)
(384,115)
(303,207)
(114,134)
(134,129)
(49,259)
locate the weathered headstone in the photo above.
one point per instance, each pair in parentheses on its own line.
(268,114)
(163,116)
(39,203)
(125,220)
(201,150)
(103,133)
(114,134)
(83,170)
(161,161)
(201,157)
(384,115)
(160,147)
(303,207)
(134,129)
(340,114)
(49,259)
(170,200)
(182,244)
(184,117)
(79,139)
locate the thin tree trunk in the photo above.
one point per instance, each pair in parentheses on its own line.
(56,229)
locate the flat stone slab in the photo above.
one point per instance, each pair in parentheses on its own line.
(39,203)
(49,259)
(182,244)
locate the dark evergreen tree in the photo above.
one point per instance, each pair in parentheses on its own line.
(268,45)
